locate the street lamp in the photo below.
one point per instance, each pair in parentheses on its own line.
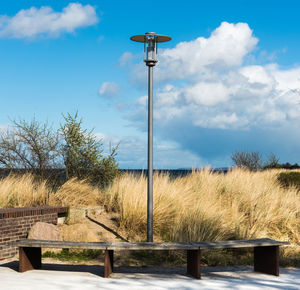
(150,40)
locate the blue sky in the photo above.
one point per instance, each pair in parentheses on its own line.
(229,79)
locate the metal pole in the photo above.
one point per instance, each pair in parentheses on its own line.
(150,156)
(150,40)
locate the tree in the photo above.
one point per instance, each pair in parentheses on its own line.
(36,147)
(247,160)
(82,153)
(30,146)
(272,162)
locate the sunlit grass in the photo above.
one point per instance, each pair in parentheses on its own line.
(208,206)
(24,190)
(202,206)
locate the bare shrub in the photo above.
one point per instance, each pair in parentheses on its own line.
(31,146)
(247,160)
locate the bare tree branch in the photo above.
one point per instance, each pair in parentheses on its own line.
(30,145)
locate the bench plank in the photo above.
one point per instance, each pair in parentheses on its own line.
(61,244)
(241,244)
(150,246)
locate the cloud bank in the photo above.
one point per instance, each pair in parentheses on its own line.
(109,89)
(44,22)
(212,101)
(132,153)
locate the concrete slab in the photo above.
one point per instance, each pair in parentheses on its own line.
(61,276)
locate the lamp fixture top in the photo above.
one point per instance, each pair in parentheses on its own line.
(144,37)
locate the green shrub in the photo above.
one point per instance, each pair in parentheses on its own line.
(287,179)
(82,154)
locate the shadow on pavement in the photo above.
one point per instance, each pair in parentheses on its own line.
(93,269)
(120,271)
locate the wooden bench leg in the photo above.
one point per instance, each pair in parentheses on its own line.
(266,260)
(29,258)
(108,263)
(193,263)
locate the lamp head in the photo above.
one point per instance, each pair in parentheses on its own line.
(150,40)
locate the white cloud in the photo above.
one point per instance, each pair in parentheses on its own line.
(33,22)
(109,89)
(125,58)
(219,90)
(225,48)
(206,93)
(206,87)
(107,138)
(220,121)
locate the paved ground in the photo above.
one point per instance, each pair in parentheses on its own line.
(64,277)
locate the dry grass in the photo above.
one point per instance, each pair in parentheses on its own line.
(76,193)
(201,206)
(208,206)
(24,190)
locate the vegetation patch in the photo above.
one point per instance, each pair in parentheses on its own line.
(202,206)
(39,149)
(155,258)
(287,179)
(74,255)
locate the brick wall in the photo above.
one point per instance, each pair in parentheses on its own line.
(15,224)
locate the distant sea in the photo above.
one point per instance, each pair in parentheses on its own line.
(175,172)
(60,173)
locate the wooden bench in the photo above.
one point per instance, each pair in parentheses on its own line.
(266,252)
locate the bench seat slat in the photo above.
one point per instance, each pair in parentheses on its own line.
(61,244)
(150,246)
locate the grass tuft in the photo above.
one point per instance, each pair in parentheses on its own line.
(23,190)
(76,193)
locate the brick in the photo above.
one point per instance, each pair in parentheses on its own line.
(15,224)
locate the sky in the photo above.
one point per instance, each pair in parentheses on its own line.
(229,80)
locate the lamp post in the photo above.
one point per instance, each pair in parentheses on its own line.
(150,40)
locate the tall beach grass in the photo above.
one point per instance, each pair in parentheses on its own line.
(209,206)
(203,206)
(27,190)
(23,190)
